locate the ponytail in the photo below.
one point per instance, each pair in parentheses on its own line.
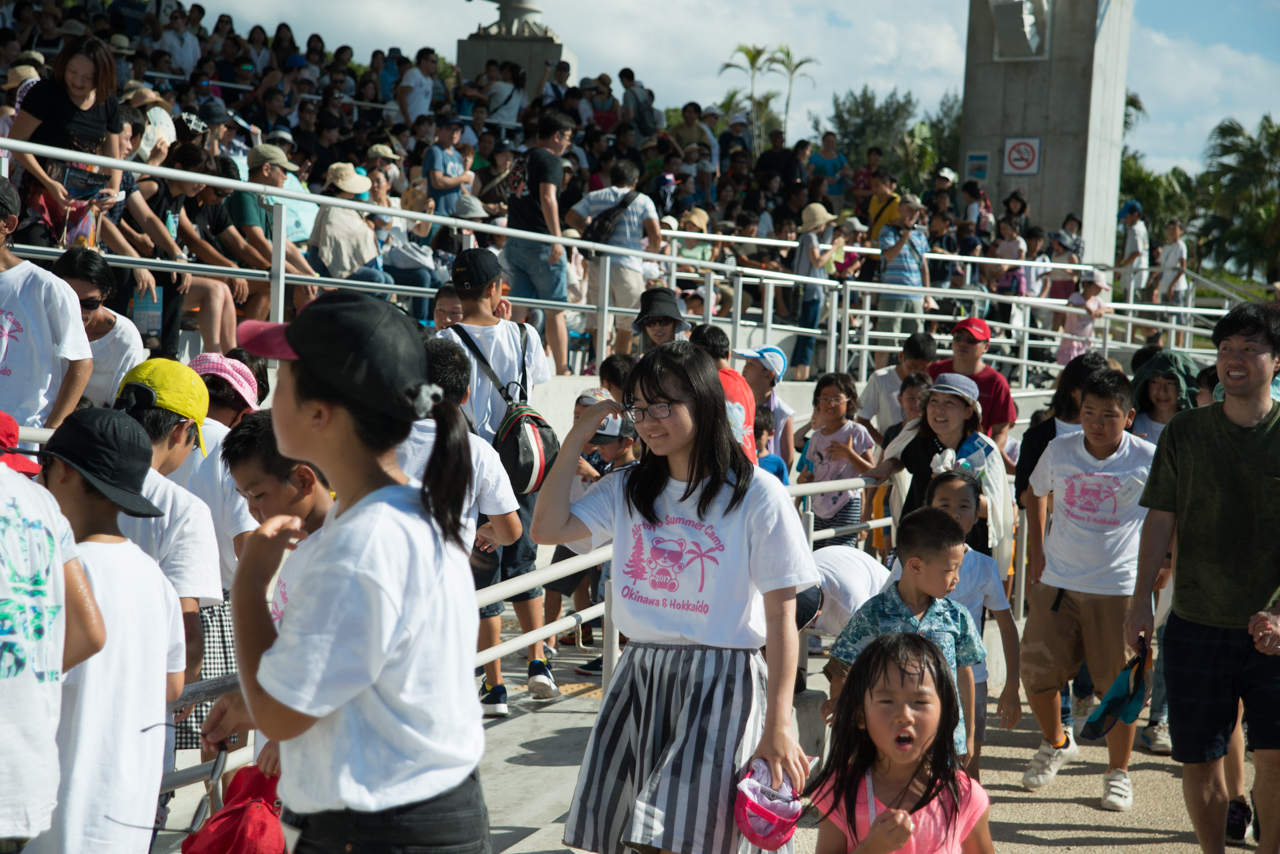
(446,481)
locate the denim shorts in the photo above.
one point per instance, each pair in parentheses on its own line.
(1207,672)
(453,822)
(531,276)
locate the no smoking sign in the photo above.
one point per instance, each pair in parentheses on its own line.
(1022,155)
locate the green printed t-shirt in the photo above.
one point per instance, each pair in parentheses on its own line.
(1223,483)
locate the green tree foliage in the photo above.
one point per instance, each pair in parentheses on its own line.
(860,120)
(945,125)
(754,61)
(1243,227)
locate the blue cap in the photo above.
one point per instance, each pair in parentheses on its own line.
(1131,206)
(295,60)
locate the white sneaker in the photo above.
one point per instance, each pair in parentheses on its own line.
(1045,764)
(1117,791)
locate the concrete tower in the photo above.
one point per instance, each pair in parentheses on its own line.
(1044,90)
(519,36)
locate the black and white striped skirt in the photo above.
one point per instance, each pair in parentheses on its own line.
(675,734)
(849,514)
(219,660)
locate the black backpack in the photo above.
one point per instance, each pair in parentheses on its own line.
(601,227)
(525,442)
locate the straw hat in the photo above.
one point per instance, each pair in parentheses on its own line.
(120,45)
(73,29)
(813,217)
(345,178)
(145,98)
(18,75)
(697,216)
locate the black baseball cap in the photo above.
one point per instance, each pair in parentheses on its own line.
(111,451)
(475,268)
(363,347)
(10,204)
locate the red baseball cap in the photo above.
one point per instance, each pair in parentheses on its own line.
(975,326)
(9,454)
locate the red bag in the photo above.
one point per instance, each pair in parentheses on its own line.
(248,823)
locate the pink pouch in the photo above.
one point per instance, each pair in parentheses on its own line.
(767,817)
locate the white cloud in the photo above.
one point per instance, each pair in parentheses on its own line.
(1187,89)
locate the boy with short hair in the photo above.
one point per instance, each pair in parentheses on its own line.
(764,430)
(448,308)
(170,401)
(95,466)
(980,586)
(614,372)
(274,485)
(763,370)
(1084,574)
(931,548)
(880,396)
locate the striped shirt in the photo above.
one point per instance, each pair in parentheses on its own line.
(630,228)
(904,269)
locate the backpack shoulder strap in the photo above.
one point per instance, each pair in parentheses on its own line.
(524,369)
(485,367)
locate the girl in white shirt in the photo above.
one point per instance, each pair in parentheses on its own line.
(707,561)
(368,682)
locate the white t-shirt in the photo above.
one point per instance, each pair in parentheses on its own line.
(182,541)
(491,492)
(31,696)
(505,102)
(378,642)
(691,580)
(1137,241)
(500,345)
(1146,428)
(40,331)
(979,586)
(849,578)
(781,412)
(880,398)
(420,89)
(114,355)
(209,479)
(1171,255)
(1097,521)
(110,767)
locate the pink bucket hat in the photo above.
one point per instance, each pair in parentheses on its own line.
(766,816)
(236,373)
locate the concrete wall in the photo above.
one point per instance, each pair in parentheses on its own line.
(1073,101)
(529,52)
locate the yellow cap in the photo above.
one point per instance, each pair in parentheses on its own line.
(178,389)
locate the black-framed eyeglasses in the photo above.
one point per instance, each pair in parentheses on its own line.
(91,304)
(656,411)
(221,193)
(658,321)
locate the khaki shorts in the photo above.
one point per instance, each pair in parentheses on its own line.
(1063,629)
(625,287)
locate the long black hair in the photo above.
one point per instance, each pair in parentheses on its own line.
(446,481)
(853,752)
(665,374)
(1074,375)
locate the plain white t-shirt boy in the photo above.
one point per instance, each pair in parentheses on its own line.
(31,532)
(182,541)
(979,586)
(209,479)
(114,355)
(692,580)
(1171,255)
(419,97)
(849,578)
(491,492)
(378,642)
(500,345)
(40,331)
(1097,521)
(880,398)
(110,748)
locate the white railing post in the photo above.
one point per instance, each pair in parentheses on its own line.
(846,291)
(709,296)
(865,358)
(468,242)
(277,260)
(602,310)
(610,639)
(806,519)
(832,299)
(1106,336)
(1020,567)
(1024,348)
(671,276)
(735,320)
(766,289)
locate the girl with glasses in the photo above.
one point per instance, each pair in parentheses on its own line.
(706,564)
(841,449)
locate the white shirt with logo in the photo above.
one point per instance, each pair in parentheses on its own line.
(1092,546)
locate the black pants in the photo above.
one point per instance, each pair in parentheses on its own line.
(456,822)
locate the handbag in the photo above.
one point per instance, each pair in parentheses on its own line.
(248,823)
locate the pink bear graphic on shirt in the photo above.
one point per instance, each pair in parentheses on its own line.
(666,559)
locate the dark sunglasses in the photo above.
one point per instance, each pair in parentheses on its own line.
(91,304)
(658,321)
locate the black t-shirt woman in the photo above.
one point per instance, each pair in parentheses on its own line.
(76,109)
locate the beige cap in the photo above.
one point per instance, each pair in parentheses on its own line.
(382,150)
(344,177)
(273,154)
(120,45)
(144,98)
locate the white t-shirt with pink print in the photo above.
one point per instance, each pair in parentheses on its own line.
(1097,521)
(692,580)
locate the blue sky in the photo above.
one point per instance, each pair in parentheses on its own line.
(1193,63)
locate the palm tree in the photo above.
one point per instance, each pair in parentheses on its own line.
(1244,227)
(754,63)
(1133,109)
(784,62)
